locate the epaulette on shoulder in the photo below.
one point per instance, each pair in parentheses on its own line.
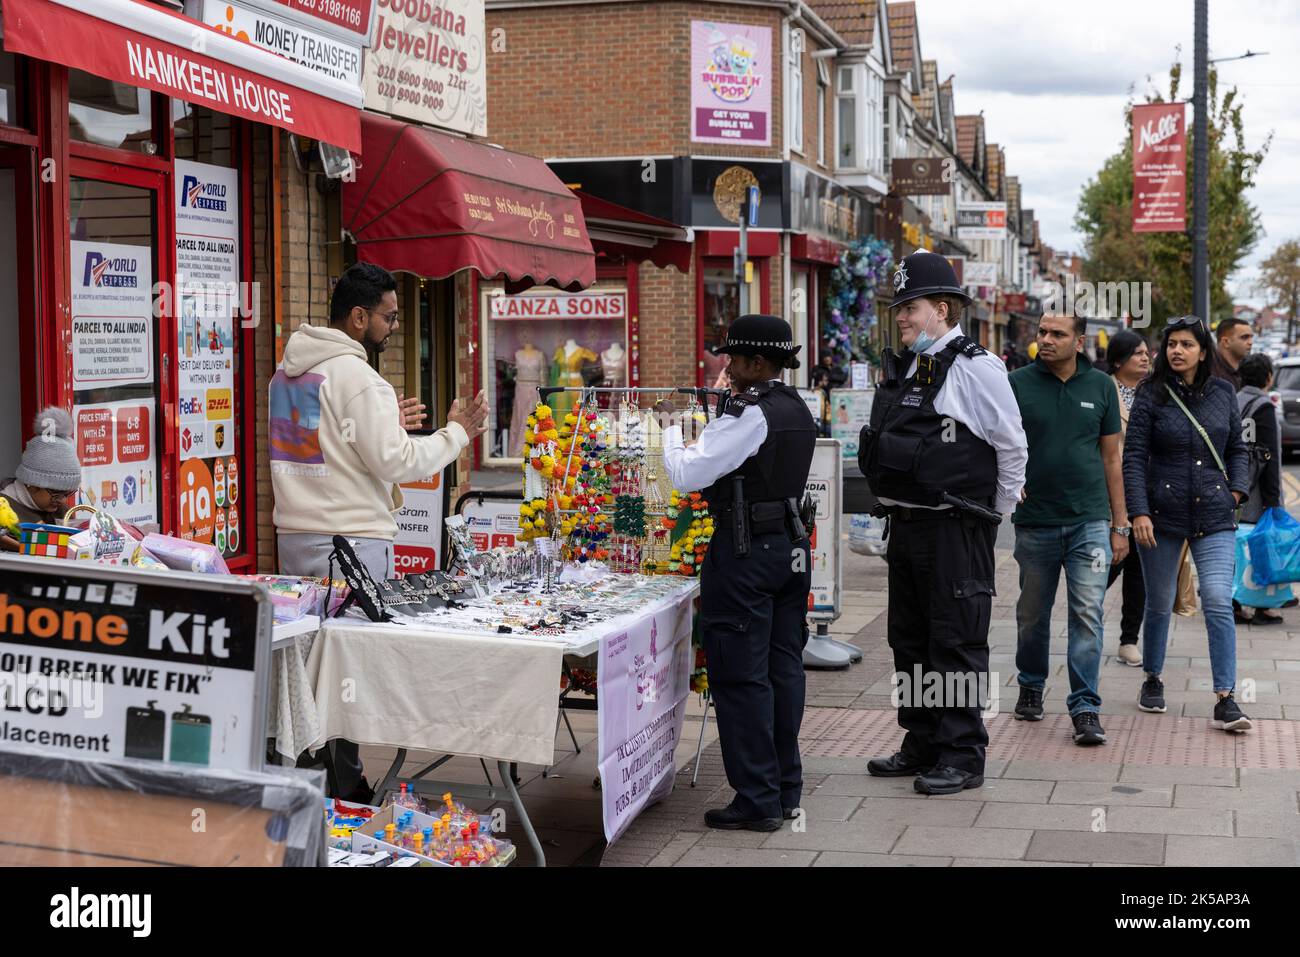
(738,403)
(968,347)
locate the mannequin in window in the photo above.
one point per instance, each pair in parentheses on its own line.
(530,373)
(614,362)
(567,371)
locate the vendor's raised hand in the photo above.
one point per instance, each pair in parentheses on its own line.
(411,413)
(472,416)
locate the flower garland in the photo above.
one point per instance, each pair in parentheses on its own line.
(691,526)
(585,524)
(851,299)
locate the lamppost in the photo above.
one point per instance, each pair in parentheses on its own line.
(1201,159)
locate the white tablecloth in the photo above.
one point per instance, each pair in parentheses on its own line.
(403,686)
(416,686)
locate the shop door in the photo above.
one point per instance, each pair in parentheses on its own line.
(801,311)
(121,363)
(720,293)
(19,367)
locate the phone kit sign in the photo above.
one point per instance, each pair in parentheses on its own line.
(107,664)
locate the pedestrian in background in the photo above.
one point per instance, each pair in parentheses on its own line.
(1072,517)
(1129,360)
(1185,473)
(1263,440)
(1234,340)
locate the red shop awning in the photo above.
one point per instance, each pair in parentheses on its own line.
(618,231)
(433,204)
(146,46)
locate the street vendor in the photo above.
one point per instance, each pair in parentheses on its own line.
(47,479)
(753,460)
(340,447)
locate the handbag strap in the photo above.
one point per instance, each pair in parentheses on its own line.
(1192,419)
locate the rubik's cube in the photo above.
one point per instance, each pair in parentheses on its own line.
(47,541)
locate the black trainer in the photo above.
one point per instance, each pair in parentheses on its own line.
(1229,717)
(1152,698)
(1088,729)
(1030,705)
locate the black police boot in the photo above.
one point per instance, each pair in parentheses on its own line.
(730,819)
(897,765)
(942,779)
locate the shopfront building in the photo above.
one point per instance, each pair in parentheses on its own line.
(136,144)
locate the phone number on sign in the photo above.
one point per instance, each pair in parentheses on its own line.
(409,78)
(346,13)
(403,94)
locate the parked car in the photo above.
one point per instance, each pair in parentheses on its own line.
(1286,395)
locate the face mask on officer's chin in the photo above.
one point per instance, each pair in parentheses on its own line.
(924,339)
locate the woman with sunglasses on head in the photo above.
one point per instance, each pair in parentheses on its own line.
(47,478)
(1185,472)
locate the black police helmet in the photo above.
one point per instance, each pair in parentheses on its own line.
(925,274)
(759,335)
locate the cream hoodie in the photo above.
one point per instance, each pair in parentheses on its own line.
(338,450)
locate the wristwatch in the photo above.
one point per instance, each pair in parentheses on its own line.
(1126,531)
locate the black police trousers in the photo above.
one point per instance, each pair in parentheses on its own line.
(753,624)
(940,600)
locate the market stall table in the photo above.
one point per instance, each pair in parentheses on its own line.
(455,685)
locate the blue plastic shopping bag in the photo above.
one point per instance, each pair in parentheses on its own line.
(1246,587)
(1275,548)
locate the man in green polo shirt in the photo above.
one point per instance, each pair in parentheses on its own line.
(1072,516)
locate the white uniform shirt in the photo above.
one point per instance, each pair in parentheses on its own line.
(722,448)
(977,394)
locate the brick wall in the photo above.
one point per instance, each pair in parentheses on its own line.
(608,80)
(667,327)
(304,282)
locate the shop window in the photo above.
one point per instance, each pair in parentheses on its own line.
(202,135)
(846,126)
(547,338)
(108,113)
(721,308)
(113,263)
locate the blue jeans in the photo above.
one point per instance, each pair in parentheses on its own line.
(1216,559)
(1084,551)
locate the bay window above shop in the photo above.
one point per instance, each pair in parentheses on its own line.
(858,135)
(848,134)
(794,90)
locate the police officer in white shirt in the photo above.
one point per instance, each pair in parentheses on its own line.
(945,456)
(752,463)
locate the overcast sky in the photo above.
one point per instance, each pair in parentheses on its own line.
(1052,79)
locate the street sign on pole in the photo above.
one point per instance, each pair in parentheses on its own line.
(754,200)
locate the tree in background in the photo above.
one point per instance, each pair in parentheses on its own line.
(1279,279)
(1117,254)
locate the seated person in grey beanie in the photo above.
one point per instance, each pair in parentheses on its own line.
(48,476)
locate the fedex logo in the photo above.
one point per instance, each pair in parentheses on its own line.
(200,195)
(118,272)
(191,405)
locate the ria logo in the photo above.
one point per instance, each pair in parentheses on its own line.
(118,272)
(200,195)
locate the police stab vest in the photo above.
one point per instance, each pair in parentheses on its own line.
(779,469)
(910,452)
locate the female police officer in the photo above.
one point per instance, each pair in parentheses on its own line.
(753,461)
(945,455)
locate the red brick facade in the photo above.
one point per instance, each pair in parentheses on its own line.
(559,91)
